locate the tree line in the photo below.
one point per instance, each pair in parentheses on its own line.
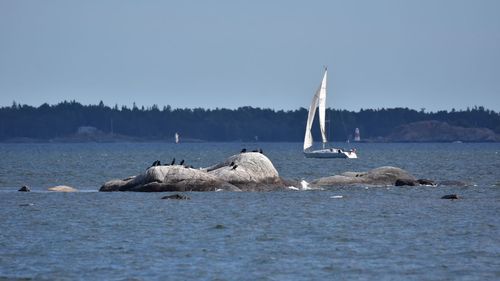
(243,124)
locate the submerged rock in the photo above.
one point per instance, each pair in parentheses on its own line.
(62,188)
(386,175)
(25,188)
(177,197)
(246,171)
(450,196)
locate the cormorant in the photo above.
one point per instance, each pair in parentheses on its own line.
(232,164)
(243,150)
(261,151)
(182,162)
(255,150)
(234,167)
(173,161)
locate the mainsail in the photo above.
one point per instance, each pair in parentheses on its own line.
(319,100)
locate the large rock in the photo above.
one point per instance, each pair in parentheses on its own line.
(169,178)
(384,176)
(241,172)
(250,171)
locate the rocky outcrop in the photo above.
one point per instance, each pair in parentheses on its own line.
(63,188)
(383,176)
(242,172)
(250,171)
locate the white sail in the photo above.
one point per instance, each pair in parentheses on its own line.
(308,140)
(322,107)
(176,137)
(319,100)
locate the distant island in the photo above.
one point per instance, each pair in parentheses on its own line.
(74,122)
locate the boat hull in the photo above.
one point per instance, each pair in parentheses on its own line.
(331,153)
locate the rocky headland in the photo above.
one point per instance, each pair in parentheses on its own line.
(437,131)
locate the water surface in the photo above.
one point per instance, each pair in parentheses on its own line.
(368,234)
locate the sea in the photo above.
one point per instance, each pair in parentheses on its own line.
(336,233)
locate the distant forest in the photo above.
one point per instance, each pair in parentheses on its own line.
(63,120)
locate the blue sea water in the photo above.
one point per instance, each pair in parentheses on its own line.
(371,233)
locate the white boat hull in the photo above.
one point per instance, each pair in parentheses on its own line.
(331,153)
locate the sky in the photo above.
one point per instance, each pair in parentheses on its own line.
(421,54)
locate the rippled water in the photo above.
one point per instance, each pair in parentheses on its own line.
(369,233)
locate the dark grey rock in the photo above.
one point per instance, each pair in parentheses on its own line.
(450,196)
(426,182)
(25,188)
(406,182)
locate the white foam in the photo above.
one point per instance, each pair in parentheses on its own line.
(304,185)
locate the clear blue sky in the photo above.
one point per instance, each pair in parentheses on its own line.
(433,54)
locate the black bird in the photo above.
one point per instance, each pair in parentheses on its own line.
(173,161)
(261,151)
(232,164)
(243,150)
(182,162)
(234,167)
(255,150)
(155,163)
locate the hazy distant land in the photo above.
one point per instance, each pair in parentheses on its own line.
(74,122)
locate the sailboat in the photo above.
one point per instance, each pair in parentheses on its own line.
(176,137)
(319,102)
